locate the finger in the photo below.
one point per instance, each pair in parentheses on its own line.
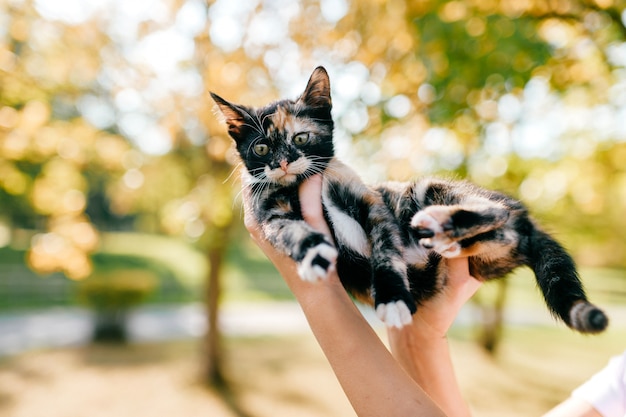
(458,269)
(310,194)
(460,283)
(248,217)
(249,220)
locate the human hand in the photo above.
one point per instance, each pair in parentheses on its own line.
(310,195)
(359,359)
(361,362)
(435,316)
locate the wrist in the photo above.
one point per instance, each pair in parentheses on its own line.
(427,327)
(425,356)
(314,293)
(416,340)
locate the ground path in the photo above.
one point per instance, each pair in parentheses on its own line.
(59,327)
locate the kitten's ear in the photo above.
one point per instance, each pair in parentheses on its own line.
(234,116)
(317,92)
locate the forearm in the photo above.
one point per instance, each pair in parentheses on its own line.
(422,347)
(373,381)
(429,363)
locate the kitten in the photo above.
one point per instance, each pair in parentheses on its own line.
(390,239)
(288,141)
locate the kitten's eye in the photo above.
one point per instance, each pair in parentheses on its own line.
(301,138)
(261,149)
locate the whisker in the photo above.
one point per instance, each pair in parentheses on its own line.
(235,169)
(255,119)
(255,128)
(265,117)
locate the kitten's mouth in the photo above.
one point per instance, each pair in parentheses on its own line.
(287,173)
(282,177)
(288,178)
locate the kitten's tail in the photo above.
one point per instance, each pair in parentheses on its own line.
(561,286)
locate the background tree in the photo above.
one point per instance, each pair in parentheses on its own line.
(49,156)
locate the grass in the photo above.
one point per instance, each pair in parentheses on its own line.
(178,267)
(603,285)
(535,368)
(187,264)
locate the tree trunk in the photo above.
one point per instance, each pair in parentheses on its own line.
(111,325)
(493,319)
(214,374)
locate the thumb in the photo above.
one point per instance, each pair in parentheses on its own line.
(310,194)
(461,285)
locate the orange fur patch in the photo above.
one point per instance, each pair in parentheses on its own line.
(281,118)
(285,121)
(284,206)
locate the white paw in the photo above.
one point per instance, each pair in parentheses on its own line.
(318,262)
(394,314)
(448,250)
(423,220)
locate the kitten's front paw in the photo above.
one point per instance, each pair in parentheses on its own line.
(318,262)
(394,314)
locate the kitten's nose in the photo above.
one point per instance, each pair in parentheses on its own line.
(284,165)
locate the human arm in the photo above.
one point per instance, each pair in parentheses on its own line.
(422,347)
(374,382)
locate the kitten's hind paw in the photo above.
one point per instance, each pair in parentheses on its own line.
(432,233)
(425,224)
(394,314)
(318,262)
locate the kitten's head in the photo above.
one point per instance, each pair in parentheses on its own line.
(286,141)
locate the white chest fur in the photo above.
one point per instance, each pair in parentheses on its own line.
(348,231)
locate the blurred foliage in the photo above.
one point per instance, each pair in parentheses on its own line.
(112,296)
(21,288)
(105,123)
(122,289)
(466,52)
(526,97)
